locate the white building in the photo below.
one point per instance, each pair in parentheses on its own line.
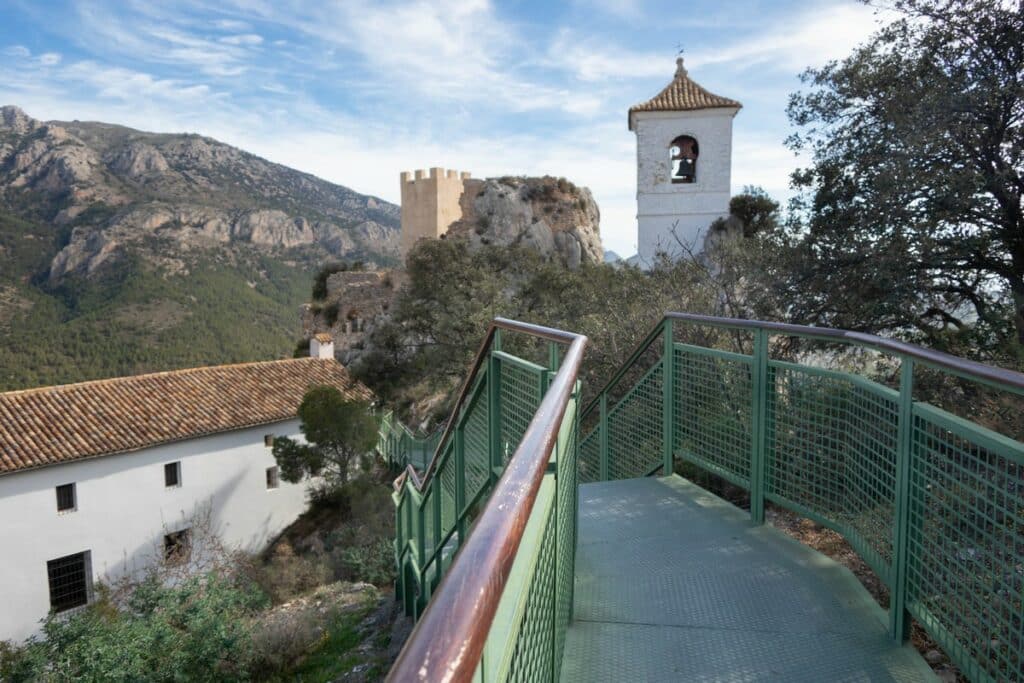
(684,160)
(100,478)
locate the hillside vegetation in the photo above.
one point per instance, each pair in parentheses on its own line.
(123,251)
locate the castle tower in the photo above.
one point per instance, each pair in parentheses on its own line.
(429,204)
(684,160)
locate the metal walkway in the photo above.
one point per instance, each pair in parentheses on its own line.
(675,584)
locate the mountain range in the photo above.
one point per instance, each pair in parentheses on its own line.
(123,251)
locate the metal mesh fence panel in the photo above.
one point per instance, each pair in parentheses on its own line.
(429,540)
(534,649)
(635,429)
(590,457)
(477,452)
(520,398)
(565,501)
(712,411)
(965,574)
(446,478)
(832,454)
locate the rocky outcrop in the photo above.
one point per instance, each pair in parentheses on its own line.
(137,160)
(118,188)
(199,227)
(17,121)
(549,215)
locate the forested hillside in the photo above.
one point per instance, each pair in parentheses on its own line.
(123,251)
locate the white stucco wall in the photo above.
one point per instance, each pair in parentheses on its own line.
(124,510)
(660,203)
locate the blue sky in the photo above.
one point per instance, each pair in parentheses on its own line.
(356,92)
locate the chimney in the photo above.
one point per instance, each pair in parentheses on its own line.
(322,346)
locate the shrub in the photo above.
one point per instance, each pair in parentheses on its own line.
(320,282)
(195,631)
(331,313)
(285,575)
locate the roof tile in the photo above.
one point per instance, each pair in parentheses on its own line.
(50,425)
(682,94)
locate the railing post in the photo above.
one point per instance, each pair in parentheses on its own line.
(603,436)
(759,421)
(899,622)
(494,408)
(553,357)
(460,482)
(421,554)
(668,381)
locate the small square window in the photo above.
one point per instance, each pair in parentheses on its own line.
(66,498)
(172,474)
(69,581)
(268,440)
(177,547)
(273,480)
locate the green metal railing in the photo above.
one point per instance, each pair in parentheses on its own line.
(485,539)
(932,502)
(401,447)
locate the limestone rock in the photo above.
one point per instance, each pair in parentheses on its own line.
(17,121)
(138,160)
(162,196)
(549,215)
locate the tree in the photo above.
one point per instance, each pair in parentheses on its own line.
(912,205)
(758,212)
(337,431)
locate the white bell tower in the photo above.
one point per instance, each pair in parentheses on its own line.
(684,165)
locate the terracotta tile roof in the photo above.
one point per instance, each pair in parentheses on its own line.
(323,337)
(58,424)
(682,94)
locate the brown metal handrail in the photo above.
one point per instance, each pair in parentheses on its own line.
(988,374)
(449,638)
(539,331)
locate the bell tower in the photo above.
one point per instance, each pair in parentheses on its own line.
(684,165)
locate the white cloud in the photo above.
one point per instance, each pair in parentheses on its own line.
(793,43)
(233,25)
(17,51)
(49,59)
(242,39)
(128,85)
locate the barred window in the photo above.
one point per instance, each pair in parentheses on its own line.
(66,498)
(273,479)
(69,581)
(172,474)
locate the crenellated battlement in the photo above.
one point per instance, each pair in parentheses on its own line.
(430,203)
(433,173)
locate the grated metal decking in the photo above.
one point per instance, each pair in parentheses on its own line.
(675,584)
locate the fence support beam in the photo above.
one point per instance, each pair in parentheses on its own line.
(460,482)
(899,620)
(603,435)
(493,380)
(759,420)
(668,381)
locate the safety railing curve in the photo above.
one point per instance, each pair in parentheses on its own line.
(485,524)
(933,502)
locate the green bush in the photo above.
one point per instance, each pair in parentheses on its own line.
(198,630)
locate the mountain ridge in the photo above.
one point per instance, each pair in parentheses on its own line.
(134,242)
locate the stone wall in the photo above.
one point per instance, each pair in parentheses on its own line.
(356,301)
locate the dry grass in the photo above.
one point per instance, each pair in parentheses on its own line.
(831,544)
